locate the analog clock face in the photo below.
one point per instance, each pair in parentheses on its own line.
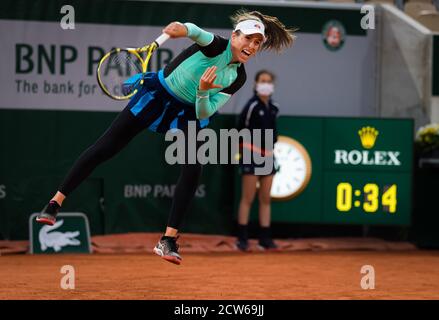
(294,169)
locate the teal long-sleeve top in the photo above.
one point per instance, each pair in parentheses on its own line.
(182,75)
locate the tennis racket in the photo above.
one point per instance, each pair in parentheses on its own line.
(120,72)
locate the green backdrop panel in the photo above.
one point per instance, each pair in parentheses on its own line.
(391,148)
(208,15)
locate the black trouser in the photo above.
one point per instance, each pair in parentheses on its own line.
(123,129)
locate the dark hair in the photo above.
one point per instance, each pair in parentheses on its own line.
(263,71)
(278,36)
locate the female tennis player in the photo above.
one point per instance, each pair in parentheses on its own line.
(192,87)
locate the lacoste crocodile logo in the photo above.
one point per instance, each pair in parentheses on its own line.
(57,240)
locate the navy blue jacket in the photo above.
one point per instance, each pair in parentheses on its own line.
(256,115)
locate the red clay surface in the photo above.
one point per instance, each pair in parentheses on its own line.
(280,275)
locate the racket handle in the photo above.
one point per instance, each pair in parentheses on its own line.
(161,39)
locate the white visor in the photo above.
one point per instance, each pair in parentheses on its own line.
(251,27)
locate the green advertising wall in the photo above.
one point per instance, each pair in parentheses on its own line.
(133,191)
(214,15)
(38,148)
(350,183)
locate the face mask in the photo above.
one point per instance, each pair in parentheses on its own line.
(265,89)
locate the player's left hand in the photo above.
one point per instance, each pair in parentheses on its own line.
(175,30)
(208,78)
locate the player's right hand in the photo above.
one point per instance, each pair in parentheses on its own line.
(175,30)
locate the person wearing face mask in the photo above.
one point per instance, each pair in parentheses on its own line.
(260,112)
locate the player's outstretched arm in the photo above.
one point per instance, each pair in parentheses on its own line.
(179,30)
(175,30)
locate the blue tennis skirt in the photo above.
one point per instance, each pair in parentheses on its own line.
(159,109)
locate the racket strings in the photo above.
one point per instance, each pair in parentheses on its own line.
(117,68)
(119,73)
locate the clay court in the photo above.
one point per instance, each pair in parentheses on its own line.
(277,275)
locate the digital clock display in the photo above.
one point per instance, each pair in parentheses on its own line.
(369,197)
(371,200)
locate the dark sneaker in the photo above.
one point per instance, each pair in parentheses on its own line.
(167,248)
(48,214)
(268,244)
(242,244)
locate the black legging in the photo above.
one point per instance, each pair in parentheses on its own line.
(123,129)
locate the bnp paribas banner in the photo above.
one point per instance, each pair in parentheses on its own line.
(329,70)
